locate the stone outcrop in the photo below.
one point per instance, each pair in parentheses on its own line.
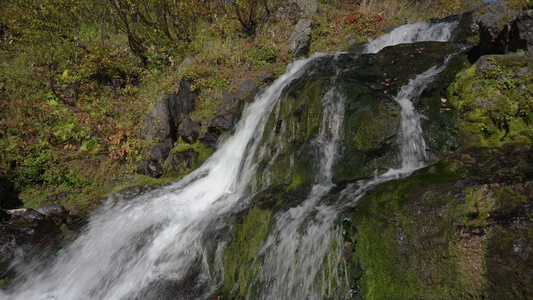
(189,130)
(300,39)
(232,105)
(25,232)
(162,126)
(169,125)
(372,118)
(162,122)
(288,12)
(503,30)
(309,7)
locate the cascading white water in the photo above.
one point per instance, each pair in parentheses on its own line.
(413,145)
(297,259)
(417,32)
(285,272)
(130,244)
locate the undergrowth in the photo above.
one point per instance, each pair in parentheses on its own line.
(73,96)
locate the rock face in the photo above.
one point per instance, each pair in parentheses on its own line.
(371,120)
(300,39)
(26,232)
(162,122)
(232,105)
(458,229)
(169,125)
(503,30)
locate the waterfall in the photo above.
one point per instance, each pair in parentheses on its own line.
(413,146)
(131,245)
(436,31)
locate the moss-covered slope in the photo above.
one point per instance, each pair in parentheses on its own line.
(459,229)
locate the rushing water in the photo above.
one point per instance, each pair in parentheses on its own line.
(131,246)
(419,32)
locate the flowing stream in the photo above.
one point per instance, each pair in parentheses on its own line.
(131,246)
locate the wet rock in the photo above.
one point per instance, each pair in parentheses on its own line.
(29,232)
(55,212)
(232,105)
(222,122)
(300,39)
(412,232)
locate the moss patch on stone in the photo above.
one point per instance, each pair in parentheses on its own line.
(493,102)
(238,259)
(462,228)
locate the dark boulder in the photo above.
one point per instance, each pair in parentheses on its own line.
(162,122)
(158,154)
(56,212)
(182,160)
(209,140)
(503,30)
(521,33)
(222,122)
(189,130)
(29,232)
(150,168)
(232,105)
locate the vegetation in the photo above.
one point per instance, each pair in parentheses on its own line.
(78,77)
(493,100)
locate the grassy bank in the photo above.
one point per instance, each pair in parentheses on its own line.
(76,83)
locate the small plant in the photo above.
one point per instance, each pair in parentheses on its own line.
(260,53)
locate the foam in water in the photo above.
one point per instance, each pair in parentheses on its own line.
(130,244)
(410,33)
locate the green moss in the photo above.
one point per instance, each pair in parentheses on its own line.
(238,258)
(289,133)
(494,106)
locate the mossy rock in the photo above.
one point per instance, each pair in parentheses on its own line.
(238,259)
(368,141)
(458,229)
(492,100)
